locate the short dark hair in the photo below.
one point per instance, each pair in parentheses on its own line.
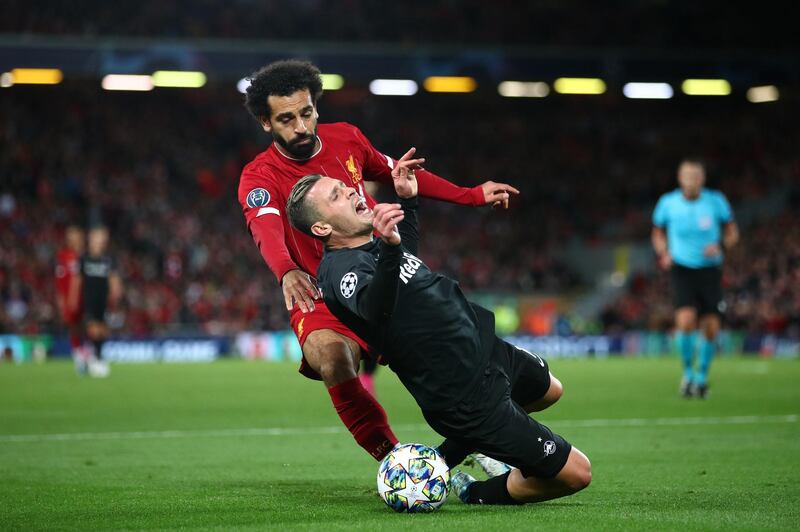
(698,161)
(281,78)
(302,215)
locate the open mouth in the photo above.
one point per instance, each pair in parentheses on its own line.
(361,207)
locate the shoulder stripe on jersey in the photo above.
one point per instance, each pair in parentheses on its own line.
(267,210)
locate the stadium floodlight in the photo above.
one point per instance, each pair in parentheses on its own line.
(127,82)
(763,94)
(706,87)
(185,79)
(332,82)
(6,79)
(523,89)
(580,86)
(450,84)
(242,85)
(36,76)
(647,91)
(393,87)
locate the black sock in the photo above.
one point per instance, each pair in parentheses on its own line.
(492,491)
(453,452)
(98,347)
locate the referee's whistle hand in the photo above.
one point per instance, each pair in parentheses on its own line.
(712,250)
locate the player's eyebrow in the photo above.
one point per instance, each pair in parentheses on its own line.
(290,114)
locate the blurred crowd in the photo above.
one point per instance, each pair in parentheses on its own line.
(161,170)
(652,23)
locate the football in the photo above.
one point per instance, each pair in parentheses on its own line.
(413,478)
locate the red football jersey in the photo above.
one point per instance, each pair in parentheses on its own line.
(67,270)
(344,154)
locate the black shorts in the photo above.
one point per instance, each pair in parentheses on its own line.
(700,288)
(95,307)
(491,418)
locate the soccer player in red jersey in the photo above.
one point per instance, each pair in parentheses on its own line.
(68,290)
(283,98)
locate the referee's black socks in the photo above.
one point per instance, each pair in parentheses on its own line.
(492,491)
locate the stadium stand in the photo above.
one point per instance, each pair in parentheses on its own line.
(701,25)
(161,169)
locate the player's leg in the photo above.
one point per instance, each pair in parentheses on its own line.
(709,329)
(685,325)
(74,324)
(533,387)
(710,308)
(573,477)
(494,423)
(97,332)
(335,358)
(332,355)
(545,465)
(368,368)
(454,451)
(683,299)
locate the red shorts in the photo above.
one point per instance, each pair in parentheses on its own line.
(319,318)
(72,317)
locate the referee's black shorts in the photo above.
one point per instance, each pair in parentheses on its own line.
(491,418)
(700,288)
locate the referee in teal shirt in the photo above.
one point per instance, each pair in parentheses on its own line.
(692,225)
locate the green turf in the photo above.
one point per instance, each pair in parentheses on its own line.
(174,459)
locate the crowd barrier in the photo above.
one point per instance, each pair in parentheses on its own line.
(282,345)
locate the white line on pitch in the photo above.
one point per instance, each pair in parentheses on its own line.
(303,431)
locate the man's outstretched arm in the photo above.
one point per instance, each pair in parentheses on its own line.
(378,167)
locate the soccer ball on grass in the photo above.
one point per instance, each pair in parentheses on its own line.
(413,478)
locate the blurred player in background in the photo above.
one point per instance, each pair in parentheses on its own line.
(100,284)
(68,293)
(692,226)
(283,98)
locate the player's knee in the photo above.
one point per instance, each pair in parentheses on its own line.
(556,390)
(583,478)
(583,475)
(578,472)
(332,358)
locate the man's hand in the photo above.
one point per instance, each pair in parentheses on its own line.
(405,182)
(299,288)
(712,250)
(386,216)
(497,194)
(665,261)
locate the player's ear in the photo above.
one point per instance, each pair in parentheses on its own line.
(321,229)
(265,124)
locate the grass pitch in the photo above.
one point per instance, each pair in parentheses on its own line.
(243,445)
